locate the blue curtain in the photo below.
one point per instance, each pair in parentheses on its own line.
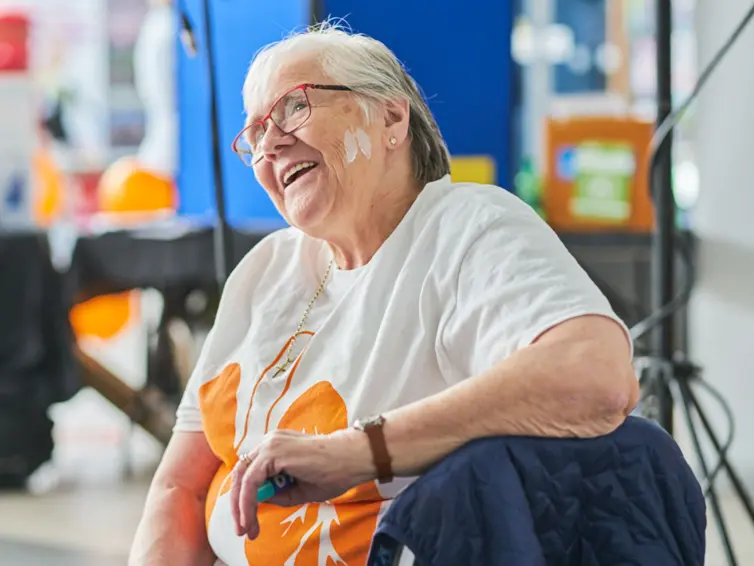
(460,54)
(239,29)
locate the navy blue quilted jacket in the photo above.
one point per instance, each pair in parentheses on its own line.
(627,498)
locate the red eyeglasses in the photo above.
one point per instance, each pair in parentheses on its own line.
(289,113)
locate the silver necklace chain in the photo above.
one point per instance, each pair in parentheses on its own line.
(283,367)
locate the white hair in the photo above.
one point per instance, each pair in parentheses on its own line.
(372,72)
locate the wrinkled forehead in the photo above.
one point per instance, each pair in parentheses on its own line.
(272,75)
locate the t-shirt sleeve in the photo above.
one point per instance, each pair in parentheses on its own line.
(188,417)
(230,325)
(516,281)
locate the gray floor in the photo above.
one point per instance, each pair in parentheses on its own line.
(81,525)
(14,553)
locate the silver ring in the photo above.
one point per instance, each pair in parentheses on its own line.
(246,458)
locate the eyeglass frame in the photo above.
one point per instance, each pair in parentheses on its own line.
(263,121)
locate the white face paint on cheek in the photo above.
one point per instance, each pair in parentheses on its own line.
(349,143)
(365,144)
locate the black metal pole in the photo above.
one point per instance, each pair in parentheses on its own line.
(315,11)
(222,242)
(663,278)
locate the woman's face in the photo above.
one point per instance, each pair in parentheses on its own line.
(339,154)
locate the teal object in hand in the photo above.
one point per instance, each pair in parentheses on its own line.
(273,486)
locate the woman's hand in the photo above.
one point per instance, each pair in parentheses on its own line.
(324,467)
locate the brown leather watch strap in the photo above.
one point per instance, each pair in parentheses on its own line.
(380,455)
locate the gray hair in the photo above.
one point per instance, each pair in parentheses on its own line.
(373,73)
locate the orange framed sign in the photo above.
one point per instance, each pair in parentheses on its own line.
(596,174)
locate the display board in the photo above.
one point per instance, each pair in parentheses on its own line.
(240,29)
(459,54)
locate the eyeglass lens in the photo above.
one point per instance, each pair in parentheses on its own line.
(289,113)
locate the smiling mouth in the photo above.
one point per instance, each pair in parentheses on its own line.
(297,172)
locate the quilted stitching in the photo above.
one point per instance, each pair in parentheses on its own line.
(628,498)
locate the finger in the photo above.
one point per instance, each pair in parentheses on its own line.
(248,504)
(235,493)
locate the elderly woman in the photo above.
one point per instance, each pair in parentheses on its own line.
(399,317)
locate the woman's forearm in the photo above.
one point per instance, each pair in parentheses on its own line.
(577,382)
(172,531)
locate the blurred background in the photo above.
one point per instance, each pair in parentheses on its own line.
(109,251)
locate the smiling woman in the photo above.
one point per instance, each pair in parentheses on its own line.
(330,101)
(399,317)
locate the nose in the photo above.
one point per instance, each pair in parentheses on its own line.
(274,140)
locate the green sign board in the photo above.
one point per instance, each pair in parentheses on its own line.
(602,182)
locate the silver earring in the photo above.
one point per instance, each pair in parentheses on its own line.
(393,141)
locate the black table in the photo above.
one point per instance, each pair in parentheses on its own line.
(158,257)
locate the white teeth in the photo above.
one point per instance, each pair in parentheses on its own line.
(295,169)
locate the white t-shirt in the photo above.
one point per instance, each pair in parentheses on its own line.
(470,275)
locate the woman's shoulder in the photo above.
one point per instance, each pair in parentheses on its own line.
(472,226)
(467,210)
(480,200)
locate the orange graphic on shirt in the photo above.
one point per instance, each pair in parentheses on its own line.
(324,534)
(218,405)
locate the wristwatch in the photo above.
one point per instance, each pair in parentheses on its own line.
(373,427)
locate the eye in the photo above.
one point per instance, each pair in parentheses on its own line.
(295,106)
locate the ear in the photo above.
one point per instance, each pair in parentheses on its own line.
(397,114)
